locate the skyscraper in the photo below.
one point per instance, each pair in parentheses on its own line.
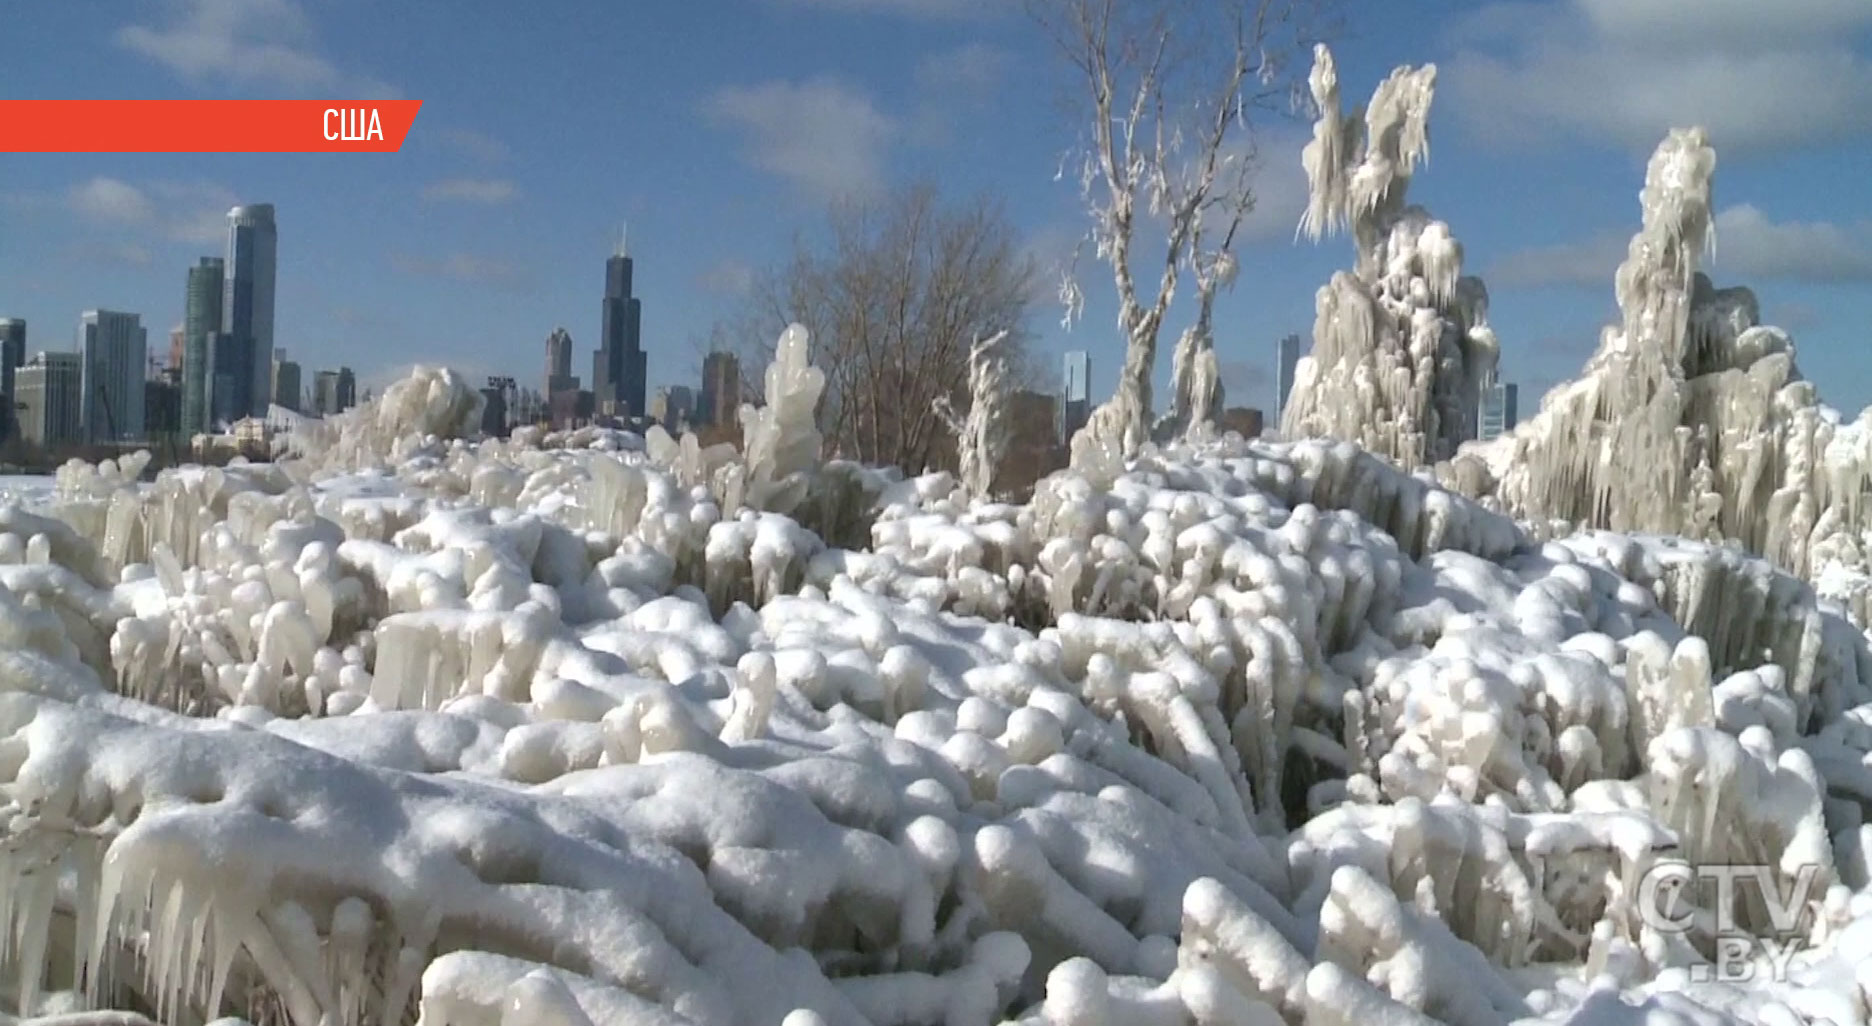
(1495,412)
(559,377)
(114,348)
(347,389)
(12,357)
(1076,395)
(247,314)
(618,368)
(1286,363)
(286,382)
(721,390)
(201,322)
(325,393)
(47,393)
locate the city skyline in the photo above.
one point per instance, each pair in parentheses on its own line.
(475,241)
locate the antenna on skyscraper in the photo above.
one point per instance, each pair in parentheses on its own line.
(623,230)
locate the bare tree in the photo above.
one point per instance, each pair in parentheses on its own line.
(895,293)
(1169,87)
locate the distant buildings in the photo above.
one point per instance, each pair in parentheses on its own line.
(113,347)
(201,324)
(1286,364)
(720,401)
(1075,406)
(46,393)
(333,391)
(1496,411)
(247,314)
(618,368)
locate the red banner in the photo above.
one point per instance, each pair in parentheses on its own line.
(204,126)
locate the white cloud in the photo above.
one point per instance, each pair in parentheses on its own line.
(463,267)
(109,199)
(823,136)
(1589,262)
(1280,188)
(1757,75)
(1750,247)
(267,43)
(472,144)
(471,190)
(192,212)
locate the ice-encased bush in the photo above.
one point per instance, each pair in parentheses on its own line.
(573,730)
(1402,342)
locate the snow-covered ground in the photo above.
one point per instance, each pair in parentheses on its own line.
(535,732)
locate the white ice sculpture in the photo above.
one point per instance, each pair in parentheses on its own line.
(781,438)
(1402,343)
(1691,418)
(981,434)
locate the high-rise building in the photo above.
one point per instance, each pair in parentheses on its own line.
(286,383)
(1286,364)
(46,393)
(618,368)
(334,391)
(1075,406)
(559,376)
(1495,410)
(247,310)
(114,347)
(325,393)
(12,357)
(178,345)
(720,402)
(201,322)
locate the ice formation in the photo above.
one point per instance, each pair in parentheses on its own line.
(981,434)
(1401,343)
(1691,418)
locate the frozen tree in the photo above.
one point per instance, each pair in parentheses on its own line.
(1691,417)
(1196,375)
(1401,344)
(1170,85)
(982,435)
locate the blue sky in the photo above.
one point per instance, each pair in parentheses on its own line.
(719,129)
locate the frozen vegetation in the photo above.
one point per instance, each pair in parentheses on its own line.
(585,729)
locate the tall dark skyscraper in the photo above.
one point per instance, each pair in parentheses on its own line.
(201,322)
(618,374)
(247,314)
(12,357)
